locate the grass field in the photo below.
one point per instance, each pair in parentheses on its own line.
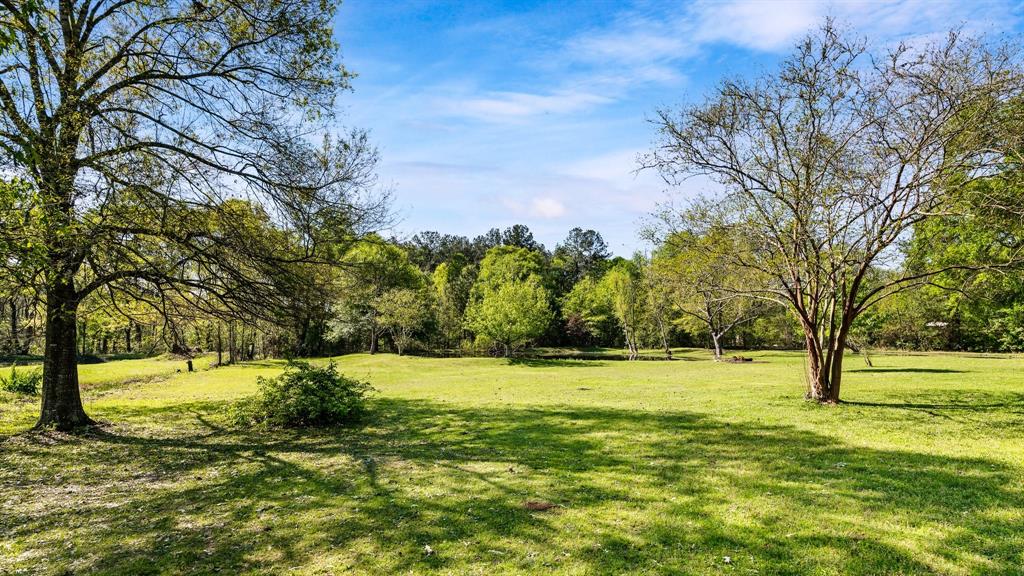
(685,467)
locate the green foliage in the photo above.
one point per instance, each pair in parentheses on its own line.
(976,241)
(452,282)
(508,304)
(624,289)
(508,264)
(304,395)
(26,382)
(372,269)
(587,311)
(511,314)
(402,311)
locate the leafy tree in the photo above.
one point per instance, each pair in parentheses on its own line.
(624,286)
(508,264)
(373,269)
(980,303)
(402,311)
(508,273)
(452,282)
(133,121)
(587,312)
(699,276)
(428,250)
(511,313)
(484,242)
(659,304)
(830,163)
(519,235)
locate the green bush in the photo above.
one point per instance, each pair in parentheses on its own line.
(304,395)
(26,382)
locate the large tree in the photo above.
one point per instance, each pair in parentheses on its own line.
(511,313)
(508,302)
(131,121)
(827,165)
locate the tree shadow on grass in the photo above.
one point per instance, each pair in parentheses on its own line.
(659,492)
(909,370)
(555,362)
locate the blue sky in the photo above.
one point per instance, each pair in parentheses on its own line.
(489,114)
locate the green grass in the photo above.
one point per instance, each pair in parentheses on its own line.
(655,468)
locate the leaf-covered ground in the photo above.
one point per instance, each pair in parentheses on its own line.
(684,467)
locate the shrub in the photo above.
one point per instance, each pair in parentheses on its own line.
(26,382)
(304,395)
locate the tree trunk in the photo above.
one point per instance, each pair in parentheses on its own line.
(62,400)
(220,346)
(824,374)
(836,375)
(715,341)
(373,340)
(128,339)
(15,345)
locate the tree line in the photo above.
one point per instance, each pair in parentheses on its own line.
(447,294)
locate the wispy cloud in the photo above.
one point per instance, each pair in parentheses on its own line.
(501,106)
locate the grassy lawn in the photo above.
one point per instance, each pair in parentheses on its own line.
(685,467)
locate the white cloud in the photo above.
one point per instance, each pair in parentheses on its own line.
(501,106)
(547,208)
(773,26)
(765,26)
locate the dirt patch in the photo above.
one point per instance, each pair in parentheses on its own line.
(539,505)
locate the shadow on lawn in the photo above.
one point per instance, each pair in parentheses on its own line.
(909,370)
(556,362)
(647,492)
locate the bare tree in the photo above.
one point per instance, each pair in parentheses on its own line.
(827,166)
(134,122)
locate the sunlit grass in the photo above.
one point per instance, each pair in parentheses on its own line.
(688,467)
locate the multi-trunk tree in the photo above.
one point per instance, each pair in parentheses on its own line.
(130,123)
(828,165)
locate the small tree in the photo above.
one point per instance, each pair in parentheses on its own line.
(401,312)
(699,278)
(828,165)
(511,314)
(625,290)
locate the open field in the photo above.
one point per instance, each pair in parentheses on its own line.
(688,467)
